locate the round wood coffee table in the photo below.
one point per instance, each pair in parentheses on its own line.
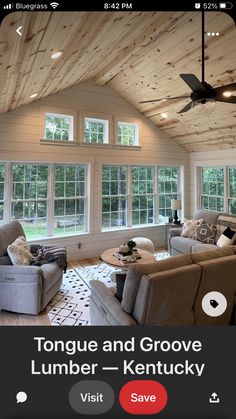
(110,259)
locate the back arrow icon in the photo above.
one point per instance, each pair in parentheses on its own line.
(18,30)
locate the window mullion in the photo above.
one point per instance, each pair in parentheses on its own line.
(129,197)
(50,200)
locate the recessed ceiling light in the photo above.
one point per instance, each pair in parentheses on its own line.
(227,94)
(164,115)
(34,95)
(56,55)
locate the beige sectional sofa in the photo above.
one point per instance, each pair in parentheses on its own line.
(180,245)
(169,292)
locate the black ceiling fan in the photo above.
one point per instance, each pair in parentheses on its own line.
(202,92)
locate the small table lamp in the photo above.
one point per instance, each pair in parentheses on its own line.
(175,206)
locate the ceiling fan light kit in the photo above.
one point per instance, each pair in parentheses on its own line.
(203,96)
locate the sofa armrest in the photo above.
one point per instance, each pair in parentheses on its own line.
(20,273)
(110,307)
(175,231)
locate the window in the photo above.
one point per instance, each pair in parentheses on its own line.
(127,133)
(29,202)
(58,127)
(70,199)
(142,195)
(2,187)
(168,182)
(232,190)
(114,196)
(212,188)
(95,131)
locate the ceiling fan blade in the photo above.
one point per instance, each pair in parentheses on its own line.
(220,98)
(165,98)
(227,88)
(186,108)
(193,82)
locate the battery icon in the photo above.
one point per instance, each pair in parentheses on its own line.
(227,5)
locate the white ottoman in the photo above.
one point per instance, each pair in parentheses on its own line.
(144,244)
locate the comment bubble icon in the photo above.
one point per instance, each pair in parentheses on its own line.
(21,397)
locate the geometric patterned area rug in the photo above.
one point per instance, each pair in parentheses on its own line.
(70,306)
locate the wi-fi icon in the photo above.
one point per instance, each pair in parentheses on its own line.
(54,5)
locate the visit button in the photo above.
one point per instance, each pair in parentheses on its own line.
(143,397)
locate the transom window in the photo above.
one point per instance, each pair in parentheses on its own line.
(58,127)
(2,190)
(142,194)
(127,133)
(212,188)
(29,202)
(168,182)
(95,130)
(70,199)
(114,196)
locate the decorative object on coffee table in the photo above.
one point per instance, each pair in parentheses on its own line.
(175,206)
(144,244)
(131,244)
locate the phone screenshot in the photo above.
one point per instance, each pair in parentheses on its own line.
(117,209)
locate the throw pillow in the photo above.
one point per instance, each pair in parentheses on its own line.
(224,221)
(189,227)
(19,252)
(120,282)
(227,238)
(205,233)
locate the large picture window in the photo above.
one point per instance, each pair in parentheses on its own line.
(212,188)
(30,198)
(168,185)
(58,127)
(142,195)
(70,199)
(114,196)
(2,190)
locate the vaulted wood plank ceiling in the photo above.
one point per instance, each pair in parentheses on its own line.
(140,55)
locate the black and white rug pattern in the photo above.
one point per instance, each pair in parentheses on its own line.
(70,306)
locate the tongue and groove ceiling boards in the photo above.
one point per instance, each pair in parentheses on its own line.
(138,54)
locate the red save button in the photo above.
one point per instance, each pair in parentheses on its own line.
(143,397)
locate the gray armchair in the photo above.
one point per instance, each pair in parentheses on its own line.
(25,289)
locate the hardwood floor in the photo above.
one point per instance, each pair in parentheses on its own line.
(14,319)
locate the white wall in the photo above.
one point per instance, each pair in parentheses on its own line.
(21,131)
(216,158)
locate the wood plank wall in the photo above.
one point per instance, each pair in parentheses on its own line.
(20,132)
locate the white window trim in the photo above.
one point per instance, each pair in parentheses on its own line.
(61,112)
(57,115)
(105,123)
(123,119)
(136,133)
(200,188)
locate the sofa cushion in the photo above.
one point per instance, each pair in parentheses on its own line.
(211,254)
(135,273)
(8,233)
(210,217)
(205,233)
(202,247)
(182,244)
(19,252)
